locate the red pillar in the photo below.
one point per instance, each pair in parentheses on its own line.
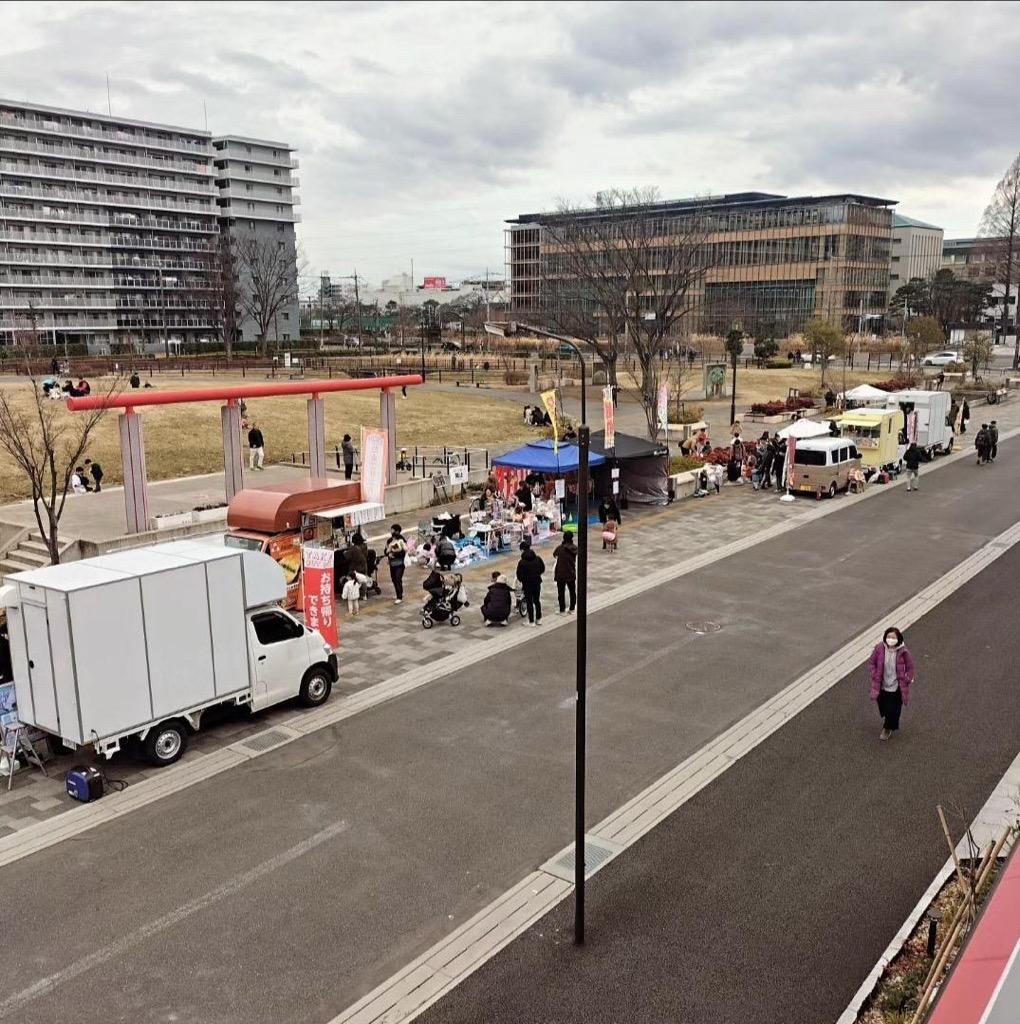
(132,453)
(388,422)
(233,453)
(317,436)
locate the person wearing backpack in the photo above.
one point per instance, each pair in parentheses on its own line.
(396,556)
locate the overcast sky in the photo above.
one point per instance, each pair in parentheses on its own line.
(422,126)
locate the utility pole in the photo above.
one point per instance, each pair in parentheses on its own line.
(357,304)
(580,723)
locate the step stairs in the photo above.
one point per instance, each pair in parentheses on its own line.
(30,553)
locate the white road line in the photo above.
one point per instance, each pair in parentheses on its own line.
(44,986)
(78,820)
(427,978)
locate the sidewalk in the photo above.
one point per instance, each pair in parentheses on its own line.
(386,640)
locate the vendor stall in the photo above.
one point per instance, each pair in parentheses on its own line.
(643,469)
(864,396)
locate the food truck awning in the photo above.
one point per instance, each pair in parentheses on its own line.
(864,418)
(275,508)
(358,514)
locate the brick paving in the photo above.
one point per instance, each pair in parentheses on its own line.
(386,640)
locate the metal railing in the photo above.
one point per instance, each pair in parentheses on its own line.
(9,144)
(71,195)
(58,127)
(126,180)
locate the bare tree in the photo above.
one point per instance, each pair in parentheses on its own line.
(267,281)
(629,271)
(1000,226)
(227,293)
(47,443)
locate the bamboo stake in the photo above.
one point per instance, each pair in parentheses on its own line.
(964,881)
(935,973)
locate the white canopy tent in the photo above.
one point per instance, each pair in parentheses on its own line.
(801,429)
(865,394)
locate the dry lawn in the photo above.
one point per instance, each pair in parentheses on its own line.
(184,440)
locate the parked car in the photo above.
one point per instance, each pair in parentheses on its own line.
(822,465)
(942,358)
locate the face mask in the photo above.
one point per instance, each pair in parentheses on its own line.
(890,641)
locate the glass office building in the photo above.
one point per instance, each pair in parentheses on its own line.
(772,262)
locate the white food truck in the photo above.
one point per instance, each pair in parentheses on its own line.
(139,644)
(934,436)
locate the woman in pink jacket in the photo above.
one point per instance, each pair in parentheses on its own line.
(892,672)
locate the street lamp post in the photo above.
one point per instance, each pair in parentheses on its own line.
(583,444)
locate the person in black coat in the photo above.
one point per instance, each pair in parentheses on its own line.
(498,601)
(523,495)
(609,509)
(529,572)
(97,473)
(565,573)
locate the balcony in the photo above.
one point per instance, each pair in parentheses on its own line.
(55,302)
(54,126)
(166,244)
(235,213)
(11,144)
(54,281)
(27,259)
(286,198)
(71,195)
(117,180)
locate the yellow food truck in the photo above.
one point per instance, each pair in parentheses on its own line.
(876,433)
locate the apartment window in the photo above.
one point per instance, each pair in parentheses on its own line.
(286,316)
(279,228)
(276,173)
(247,167)
(275,153)
(279,191)
(247,188)
(247,149)
(251,206)
(286,337)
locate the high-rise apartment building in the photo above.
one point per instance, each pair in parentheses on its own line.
(111,229)
(258,203)
(107,230)
(774,262)
(916,251)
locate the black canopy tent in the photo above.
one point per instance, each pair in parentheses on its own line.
(643,465)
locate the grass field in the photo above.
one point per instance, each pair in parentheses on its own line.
(183,440)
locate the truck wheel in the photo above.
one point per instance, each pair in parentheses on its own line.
(165,743)
(315,687)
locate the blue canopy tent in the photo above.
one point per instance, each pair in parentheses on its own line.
(540,457)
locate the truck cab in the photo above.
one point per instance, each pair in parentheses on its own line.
(281,650)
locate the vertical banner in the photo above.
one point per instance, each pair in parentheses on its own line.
(373,465)
(549,401)
(317,578)
(912,427)
(608,417)
(791,451)
(663,407)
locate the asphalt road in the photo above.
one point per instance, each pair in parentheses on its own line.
(770,895)
(287,888)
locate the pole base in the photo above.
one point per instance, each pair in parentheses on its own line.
(787,497)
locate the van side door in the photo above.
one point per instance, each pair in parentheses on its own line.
(279,656)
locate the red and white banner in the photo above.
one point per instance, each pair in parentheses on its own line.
(791,452)
(373,465)
(609,417)
(912,427)
(317,584)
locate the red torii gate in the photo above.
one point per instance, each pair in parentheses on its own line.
(132,444)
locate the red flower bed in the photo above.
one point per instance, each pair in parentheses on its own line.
(895,384)
(779,405)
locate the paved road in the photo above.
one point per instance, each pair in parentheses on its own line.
(771,894)
(287,888)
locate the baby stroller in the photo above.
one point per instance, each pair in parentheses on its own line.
(519,603)
(444,601)
(372,564)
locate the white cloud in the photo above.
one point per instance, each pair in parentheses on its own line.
(422,126)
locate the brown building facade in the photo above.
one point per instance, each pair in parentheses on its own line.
(773,262)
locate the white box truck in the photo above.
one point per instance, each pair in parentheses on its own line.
(139,644)
(934,435)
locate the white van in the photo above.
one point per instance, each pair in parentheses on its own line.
(822,465)
(139,644)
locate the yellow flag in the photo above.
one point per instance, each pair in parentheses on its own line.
(549,401)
